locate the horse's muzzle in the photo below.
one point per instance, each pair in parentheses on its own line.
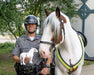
(45,54)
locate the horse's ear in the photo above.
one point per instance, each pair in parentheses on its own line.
(47,12)
(57,12)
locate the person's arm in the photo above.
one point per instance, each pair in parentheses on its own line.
(45,70)
(16,52)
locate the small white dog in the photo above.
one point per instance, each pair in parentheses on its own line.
(28,54)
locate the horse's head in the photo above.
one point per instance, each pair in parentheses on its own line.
(52,32)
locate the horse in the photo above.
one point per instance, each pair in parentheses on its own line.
(27,54)
(59,35)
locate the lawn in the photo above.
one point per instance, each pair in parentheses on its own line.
(6,62)
(7,67)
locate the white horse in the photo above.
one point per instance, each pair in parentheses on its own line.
(28,54)
(69,54)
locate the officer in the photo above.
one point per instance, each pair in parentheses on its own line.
(24,44)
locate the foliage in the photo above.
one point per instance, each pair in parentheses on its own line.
(13,12)
(68,7)
(10,18)
(6,47)
(88,62)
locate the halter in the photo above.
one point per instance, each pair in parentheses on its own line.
(45,42)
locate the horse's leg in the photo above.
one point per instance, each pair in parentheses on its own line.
(20,60)
(30,61)
(23,61)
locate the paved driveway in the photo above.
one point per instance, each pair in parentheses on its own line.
(88,70)
(7,38)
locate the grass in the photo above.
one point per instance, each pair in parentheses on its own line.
(88,62)
(7,67)
(6,63)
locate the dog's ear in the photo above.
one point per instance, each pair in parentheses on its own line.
(47,12)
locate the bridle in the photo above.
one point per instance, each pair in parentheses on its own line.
(50,43)
(53,44)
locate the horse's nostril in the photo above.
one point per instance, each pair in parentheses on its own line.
(43,52)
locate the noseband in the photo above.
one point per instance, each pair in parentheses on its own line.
(50,43)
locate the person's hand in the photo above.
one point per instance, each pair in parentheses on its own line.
(44,71)
(27,59)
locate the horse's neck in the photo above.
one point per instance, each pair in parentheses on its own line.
(71,46)
(70,34)
(71,39)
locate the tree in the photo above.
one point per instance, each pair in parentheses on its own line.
(13,12)
(10,18)
(68,7)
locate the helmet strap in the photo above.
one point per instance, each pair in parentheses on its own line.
(32,32)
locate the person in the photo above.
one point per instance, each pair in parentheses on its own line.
(24,44)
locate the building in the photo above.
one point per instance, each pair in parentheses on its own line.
(85,23)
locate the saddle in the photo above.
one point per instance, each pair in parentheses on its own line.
(83,38)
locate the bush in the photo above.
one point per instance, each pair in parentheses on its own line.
(6,47)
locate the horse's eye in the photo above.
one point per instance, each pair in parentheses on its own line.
(47,21)
(62,21)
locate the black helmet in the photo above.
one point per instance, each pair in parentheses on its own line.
(30,19)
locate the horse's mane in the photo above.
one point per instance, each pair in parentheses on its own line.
(54,22)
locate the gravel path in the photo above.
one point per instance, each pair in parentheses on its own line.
(88,70)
